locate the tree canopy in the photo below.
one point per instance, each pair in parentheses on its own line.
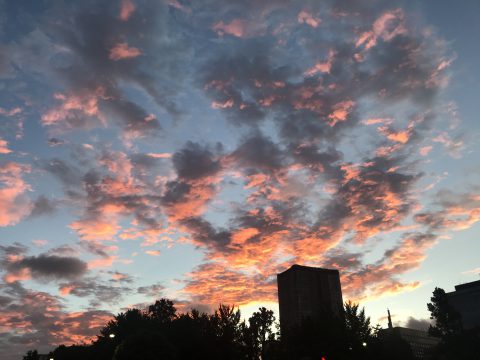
(160,332)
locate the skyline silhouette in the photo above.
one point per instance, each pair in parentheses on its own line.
(313,322)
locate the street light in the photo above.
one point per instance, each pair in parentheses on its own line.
(364,344)
(111,336)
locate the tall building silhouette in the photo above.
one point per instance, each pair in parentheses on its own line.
(466,301)
(308,292)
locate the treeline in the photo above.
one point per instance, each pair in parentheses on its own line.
(162,333)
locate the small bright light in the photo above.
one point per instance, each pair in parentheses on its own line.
(364,344)
(111,336)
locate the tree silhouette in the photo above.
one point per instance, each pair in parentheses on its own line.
(447,319)
(456,343)
(259,333)
(31,355)
(159,332)
(73,352)
(145,346)
(162,311)
(226,324)
(357,327)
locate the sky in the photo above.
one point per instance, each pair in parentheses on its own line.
(194,149)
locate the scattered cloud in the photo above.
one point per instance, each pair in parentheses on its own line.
(14,204)
(122,51)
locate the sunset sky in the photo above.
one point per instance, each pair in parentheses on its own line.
(194,149)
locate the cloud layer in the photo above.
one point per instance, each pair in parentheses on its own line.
(255,135)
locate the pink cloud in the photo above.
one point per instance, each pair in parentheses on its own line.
(340,112)
(96,229)
(389,25)
(104,262)
(401,137)
(4,147)
(236,27)
(40,242)
(127,8)
(12,112)
(454,146)
(64,115)
(323,67)
(160,155)
(438,78)
(177,5)
(225,105)
(20,275)
(123,51)
(14,205)
(425,150)
(375,121)
(305,17)
(153,252)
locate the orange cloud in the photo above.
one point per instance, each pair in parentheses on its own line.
(194,202)
(340,112)
(66,290)
(212,284)
(96,229)
(401,137)
(122,51)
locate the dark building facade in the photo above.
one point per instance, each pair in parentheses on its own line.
(420,342)
(308,292)
(466,301)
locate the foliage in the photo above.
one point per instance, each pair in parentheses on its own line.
(259,334)
(456,343)
(162,311)
(357,326)
(447,320)
(31,355)
(161,333)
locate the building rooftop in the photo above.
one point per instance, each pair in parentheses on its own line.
(470,285)
(308,268)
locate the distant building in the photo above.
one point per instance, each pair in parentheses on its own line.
(466,301)
(420,342)
(308,292)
